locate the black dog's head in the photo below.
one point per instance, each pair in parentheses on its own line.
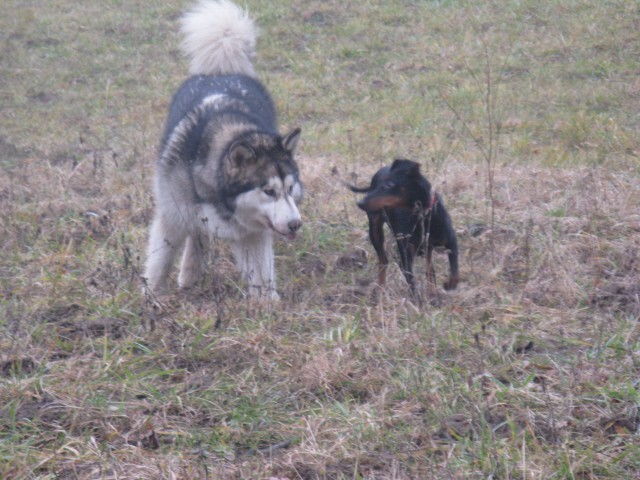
(399,186)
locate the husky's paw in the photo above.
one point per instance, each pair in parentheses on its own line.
(189,276)
(273,296)
(187,284)
(264,295)
(270,296)
(156,298)
(150,290)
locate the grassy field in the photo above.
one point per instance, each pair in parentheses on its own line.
(525,116)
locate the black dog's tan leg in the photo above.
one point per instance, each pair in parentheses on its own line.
(454,277)
(431,272)
(407,253)
(376,235)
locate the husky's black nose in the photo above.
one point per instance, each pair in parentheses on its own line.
(294,225)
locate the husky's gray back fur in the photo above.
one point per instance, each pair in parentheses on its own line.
(223,168)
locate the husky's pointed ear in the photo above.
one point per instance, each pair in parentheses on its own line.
(239,155)
(290,140)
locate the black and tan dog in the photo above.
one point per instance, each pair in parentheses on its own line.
(400,196)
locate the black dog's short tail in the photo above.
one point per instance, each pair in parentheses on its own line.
(355,189)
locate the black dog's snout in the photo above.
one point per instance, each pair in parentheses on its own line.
(362,204)
(294,225)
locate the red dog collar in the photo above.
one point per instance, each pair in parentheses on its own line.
(432,203)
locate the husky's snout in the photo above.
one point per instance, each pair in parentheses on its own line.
(294,225)
(285,219)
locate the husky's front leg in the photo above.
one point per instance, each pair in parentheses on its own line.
(192,264)
(164,241)
(254,258)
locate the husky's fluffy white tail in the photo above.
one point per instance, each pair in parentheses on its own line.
(219,39)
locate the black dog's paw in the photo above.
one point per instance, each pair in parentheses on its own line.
(435,300)
(451,284)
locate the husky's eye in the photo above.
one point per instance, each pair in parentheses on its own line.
(270,192)
(290,189)
(389,184)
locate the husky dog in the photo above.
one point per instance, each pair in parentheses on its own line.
(223,169)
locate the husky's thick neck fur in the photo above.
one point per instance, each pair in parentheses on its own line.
(223,169)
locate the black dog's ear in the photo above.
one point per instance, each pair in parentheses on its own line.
(410,167)
(397,163)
